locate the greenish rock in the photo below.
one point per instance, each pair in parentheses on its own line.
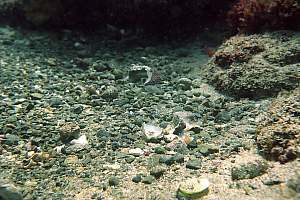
(157,171)
(194,164)
(55,102)
(110,93)
(153,89)
(30,106)
(101,67)
(9,192)
(272,181)
(118,73)
(137,178)
(188,108)
(113,181)
(193,144)
(104,186)
(184,84)
(77,109)
(249,170)
(223,117)
(178,158)
(148,179)
(130,159)
(166,159)
(69,131)
(160,150)
(36,96)
(206,149)
(11,139)
(294,183)
(179,129)
(255,66)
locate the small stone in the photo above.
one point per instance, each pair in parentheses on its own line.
(206,149)
(102,67)
(113,181)
(272,181)
(55,102)
(170,137)
(223,117)
(112,166)
(249,170)
(294,183)
(184,84)
(9,192)
(160,150)
(137,178)
(71,160)
(148,179)
(77,109)
(136,152)
(179,128)
(194,164)
(69,131)
(129,159)
(36,96)
(166,159)
(82,63)
(178,158)
(30,106)
(157,171)
(11,139)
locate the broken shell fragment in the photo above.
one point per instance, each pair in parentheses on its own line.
(194,188)
(152,133)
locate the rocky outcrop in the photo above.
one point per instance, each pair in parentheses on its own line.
(278,136)
(257,65)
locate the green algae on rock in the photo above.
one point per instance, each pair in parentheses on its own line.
(257,65)
(278,135)
(249,170)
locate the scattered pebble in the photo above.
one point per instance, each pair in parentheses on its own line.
(194,164)
(136,152)
(148,179)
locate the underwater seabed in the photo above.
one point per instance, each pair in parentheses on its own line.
(91,117)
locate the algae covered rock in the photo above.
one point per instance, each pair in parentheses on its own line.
(294,184)
(249,170)
(9,191)
(278,136)
(257,65)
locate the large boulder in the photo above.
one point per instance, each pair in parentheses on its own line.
(257,65)
(278,135)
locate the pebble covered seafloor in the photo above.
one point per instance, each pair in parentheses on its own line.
(78,122)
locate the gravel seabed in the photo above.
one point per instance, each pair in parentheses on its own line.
(51,80)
